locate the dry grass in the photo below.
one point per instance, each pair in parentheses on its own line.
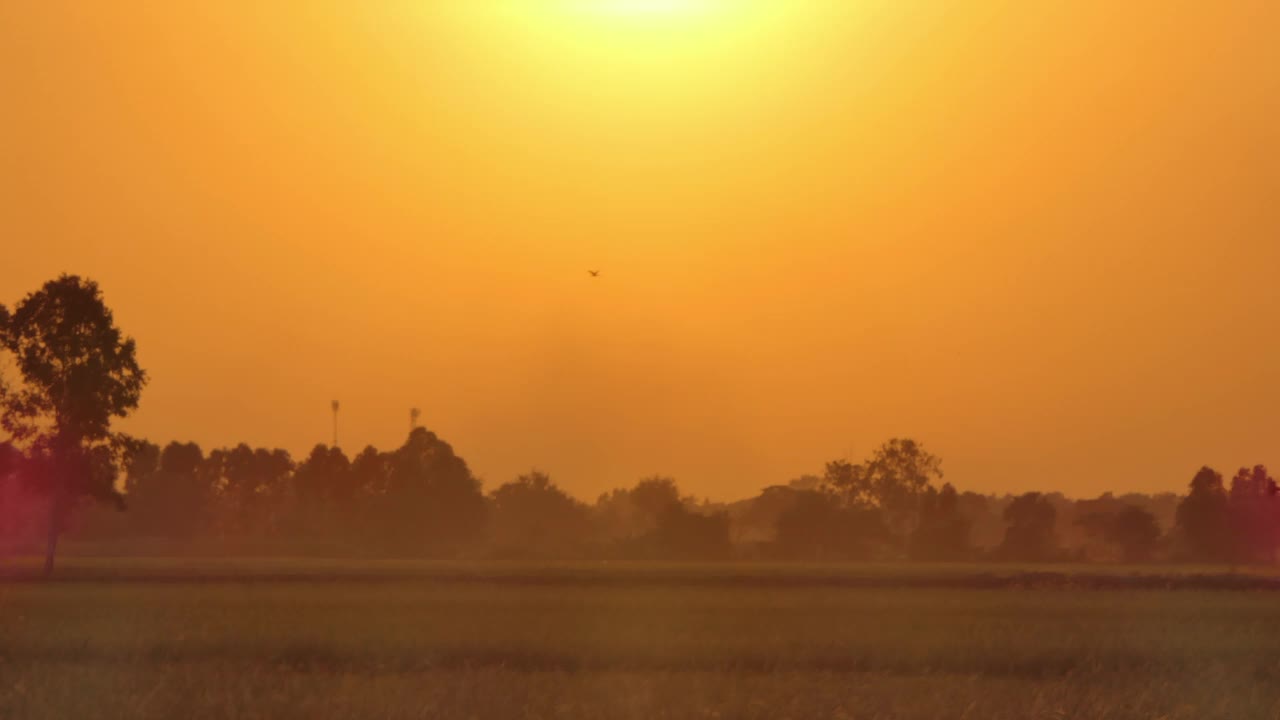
(285,639)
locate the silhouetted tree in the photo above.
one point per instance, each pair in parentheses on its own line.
(369,472)
(1131,530)
(1136,532)
(686,535)
(11,496)
(806,482)
(10,458)
(1254,515)
(943,531)
(432,503)
(757,521)
(141,460)
(818,525)
(1092,519)
(652,521)
(655,496)
(900,471)
(1163,506)
(879,500)
(78,372)
(324,492)
(809,525)
(851,483)
(252,486)
(985,519)
(625,515)
(1203,519)
(894,480)
(170,492)
(613,516)
(324,477)
(1030,535)
(533,517)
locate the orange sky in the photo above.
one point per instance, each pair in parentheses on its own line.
(1042,237)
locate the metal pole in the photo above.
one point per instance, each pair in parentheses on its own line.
(335,423)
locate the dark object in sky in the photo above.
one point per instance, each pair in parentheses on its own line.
(594,273)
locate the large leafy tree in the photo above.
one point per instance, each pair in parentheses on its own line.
(632,518)
(432,502)
(1136,532)
(1204,519)
(76,373)
(818,524)
(170,492)
(10,459)
(1031,532)
(943,530)
(1254,515)
(900,472)
(532,517)
(852,483)
(252,485)
(324,493)
(894,479)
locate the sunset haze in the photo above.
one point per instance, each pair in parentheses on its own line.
(1040,237)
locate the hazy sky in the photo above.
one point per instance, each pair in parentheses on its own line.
(1041,237)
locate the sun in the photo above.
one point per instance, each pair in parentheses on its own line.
(597,48)
(648,7)
(638,9)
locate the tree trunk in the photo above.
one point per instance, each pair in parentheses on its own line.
(55,522)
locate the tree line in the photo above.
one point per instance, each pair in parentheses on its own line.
(421,499)
(65,471)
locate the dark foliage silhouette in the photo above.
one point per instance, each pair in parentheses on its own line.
(77,372)
(325,493)
(73,373)
(171,493)
(1031,534)
(431,498)
(1135,532)
(900,471)
(1132,532)
(822,525)
(1204,520)
(943,531)
(531,517)
(251,484)
(1254,512)
(653,521)
(684,534)
(894,480)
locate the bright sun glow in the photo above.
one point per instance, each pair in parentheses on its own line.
(672,33)
(646,8)
(646,51)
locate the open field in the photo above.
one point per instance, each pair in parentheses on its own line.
(310,639)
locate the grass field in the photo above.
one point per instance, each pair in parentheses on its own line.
(308,639)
